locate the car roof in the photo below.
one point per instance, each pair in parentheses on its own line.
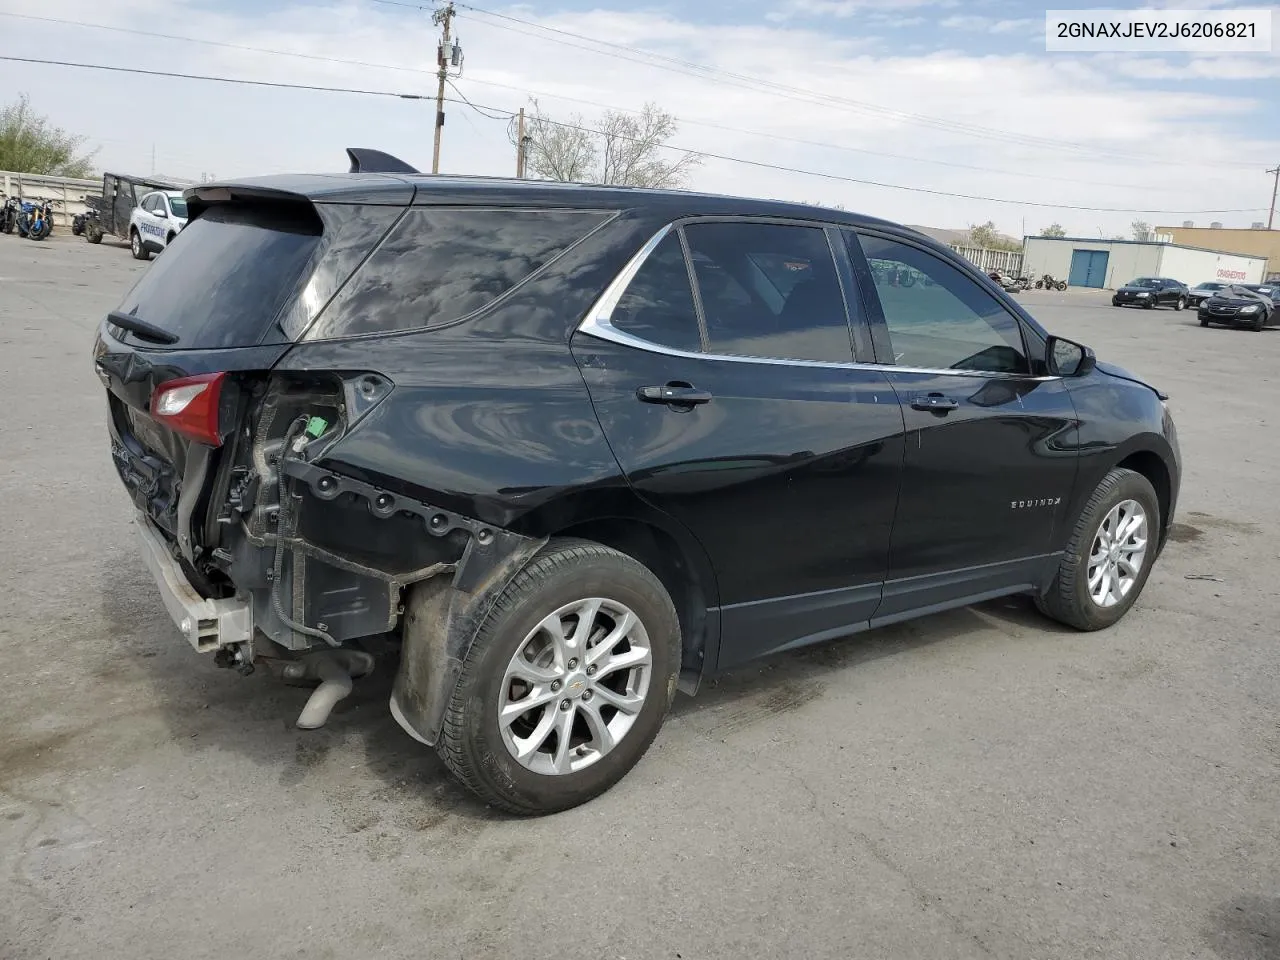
(426,189)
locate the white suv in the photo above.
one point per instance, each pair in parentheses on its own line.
(155,222)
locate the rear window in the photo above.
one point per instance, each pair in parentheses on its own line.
(226,278)
(441,265)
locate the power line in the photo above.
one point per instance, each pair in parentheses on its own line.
(507,114)
(800,94)
(479,110)
(682,120)
(214,43)
(200,76)
(812,143)
(877,183)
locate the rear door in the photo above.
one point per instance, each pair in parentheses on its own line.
(721,368)
(988,465)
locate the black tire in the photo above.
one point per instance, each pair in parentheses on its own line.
(1180,304)
(471,742)
(135,245)
(93,234)
(1204,321)
(1148,304)
(1259,323)
(1061,285)
(1067,600)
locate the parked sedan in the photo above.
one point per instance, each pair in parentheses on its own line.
(1238,306)
(1268,290)
(1149,292)
(1203,291)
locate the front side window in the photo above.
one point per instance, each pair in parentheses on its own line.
(179,207)
(769,291)
(658,303)
(938,318)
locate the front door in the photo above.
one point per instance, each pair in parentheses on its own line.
(989,467)
(737,411)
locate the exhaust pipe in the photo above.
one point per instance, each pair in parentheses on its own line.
(335,670)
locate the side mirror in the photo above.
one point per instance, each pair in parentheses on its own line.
(1066,358)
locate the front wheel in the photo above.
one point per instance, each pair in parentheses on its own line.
(1109,556)
(40,230)
(1147,304)
(1204,321)
(1259,323)
(136,248)
(1060,285)
(1181,304)
(567,683)
(93,234)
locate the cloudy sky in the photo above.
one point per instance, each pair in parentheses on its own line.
(932,95)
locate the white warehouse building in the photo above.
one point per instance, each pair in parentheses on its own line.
(1109,264)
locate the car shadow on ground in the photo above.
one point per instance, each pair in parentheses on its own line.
(373,772)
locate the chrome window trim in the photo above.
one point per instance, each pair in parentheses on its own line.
(597,324)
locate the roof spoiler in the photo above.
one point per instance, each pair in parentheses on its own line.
(364,160)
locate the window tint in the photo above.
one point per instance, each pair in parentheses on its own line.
(769,291)
(225,283)
(440,265)
(658,303)
(938,318)
(179,207)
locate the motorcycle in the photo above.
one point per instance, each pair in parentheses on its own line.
(39,219)
(1009,284)
(1047,282)
(10,212)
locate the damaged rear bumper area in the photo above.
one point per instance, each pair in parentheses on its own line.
(339,559)
(206,624)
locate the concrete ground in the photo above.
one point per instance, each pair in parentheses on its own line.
(976,784)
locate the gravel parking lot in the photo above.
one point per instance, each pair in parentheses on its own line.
(979,783)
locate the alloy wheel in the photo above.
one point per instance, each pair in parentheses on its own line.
(1118,553)
(575,686)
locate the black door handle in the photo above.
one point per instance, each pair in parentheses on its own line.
(934,403)
(674,393)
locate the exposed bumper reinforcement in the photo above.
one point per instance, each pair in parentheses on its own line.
(206,624)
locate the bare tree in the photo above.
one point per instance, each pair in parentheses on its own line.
(558,151)
(631,147)
(621,148)
(29,143)
(1141,229)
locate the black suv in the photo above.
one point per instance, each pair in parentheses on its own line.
(574,448)
(1150,292)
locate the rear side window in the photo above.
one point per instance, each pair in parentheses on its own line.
(441,265)
(227,278)
(658,303)
(769,291)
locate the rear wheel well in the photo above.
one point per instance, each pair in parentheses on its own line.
(662,554)
(1153,468)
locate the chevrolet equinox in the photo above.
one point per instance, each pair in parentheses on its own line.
(573,448)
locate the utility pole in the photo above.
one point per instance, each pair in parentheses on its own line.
(447,53)
(1271,214)
(520,146)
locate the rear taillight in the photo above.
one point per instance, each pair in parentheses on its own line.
(190,406)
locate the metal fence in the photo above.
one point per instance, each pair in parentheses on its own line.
(1010,261)
(68,192)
